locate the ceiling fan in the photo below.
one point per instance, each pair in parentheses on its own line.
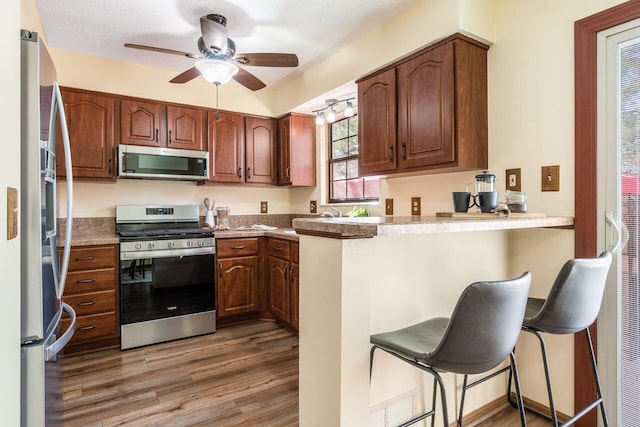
(217,60)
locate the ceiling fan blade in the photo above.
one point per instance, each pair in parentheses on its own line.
(187,76)
(162,50)
(268,59)
(248,80)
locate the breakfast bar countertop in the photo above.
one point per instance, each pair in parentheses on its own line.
(366,227)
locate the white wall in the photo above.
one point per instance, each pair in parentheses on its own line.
(10,249)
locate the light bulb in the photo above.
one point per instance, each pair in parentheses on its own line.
(348,112)
(320,118)
(331,116)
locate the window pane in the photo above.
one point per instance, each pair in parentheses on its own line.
(353,125)
(371,188)
(339,171)
(355,188)
(353,146)
(339,130)
(339,149)
(352,169)
(339,189)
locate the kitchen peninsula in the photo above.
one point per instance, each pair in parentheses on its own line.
(367,275)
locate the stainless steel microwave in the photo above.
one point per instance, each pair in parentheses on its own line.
(162,163)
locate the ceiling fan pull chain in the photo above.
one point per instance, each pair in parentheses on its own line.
(217,109)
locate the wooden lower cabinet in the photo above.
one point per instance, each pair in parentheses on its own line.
(283,281)
(237,277)
(91,289)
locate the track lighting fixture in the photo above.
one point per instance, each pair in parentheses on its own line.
(333,106)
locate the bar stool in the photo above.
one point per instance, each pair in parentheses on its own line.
(571,306)
(480,334)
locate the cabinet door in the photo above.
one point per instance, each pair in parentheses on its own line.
(377,124)
(226,147)
(184,128)
(284,150)
(302,147)
(260,154)
(90,121)
(141,123)
(237,286)
(426,109)
(279,288)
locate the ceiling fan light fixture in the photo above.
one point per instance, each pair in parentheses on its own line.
(216,71)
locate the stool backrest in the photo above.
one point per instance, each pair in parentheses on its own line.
(484,326)
(575,297)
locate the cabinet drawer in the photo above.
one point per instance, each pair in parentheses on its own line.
(279,248)
(90,281)
(295,253)
(93,327)
(92,303)
(236,247)
(92,257)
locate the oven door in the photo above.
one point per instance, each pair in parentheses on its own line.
(161,287)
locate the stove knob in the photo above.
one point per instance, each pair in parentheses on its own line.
(200,243)
(138,246)
(189,243)
(171,244)
(151,246)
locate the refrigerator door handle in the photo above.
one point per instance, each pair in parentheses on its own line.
(51,350)
(58,107)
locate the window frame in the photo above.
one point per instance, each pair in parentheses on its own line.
(331,161)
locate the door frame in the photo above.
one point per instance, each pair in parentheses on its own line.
(586,215)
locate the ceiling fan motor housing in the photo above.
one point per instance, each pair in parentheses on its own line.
(214,33)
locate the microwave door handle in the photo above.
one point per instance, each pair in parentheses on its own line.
(59,109)
(51,350)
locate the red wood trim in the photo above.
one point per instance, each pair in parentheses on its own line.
(586,216)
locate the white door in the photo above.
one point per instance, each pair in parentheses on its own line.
(619,185)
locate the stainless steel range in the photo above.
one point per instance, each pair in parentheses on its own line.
(167,274)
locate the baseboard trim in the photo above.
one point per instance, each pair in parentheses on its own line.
(541,409)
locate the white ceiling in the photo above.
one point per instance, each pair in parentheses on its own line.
(310,29)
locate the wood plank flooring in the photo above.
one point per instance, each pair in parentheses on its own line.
(245,375)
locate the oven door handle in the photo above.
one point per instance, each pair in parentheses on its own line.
(167,253)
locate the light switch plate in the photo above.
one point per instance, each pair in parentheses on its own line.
(388,206)
(513,180)
(550,178)
(415,206)
(264,207)
(313,206)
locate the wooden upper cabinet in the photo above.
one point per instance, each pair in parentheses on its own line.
(441,116)
(425,89)
(260,150)
(226,147)
(155,124)
(90,122)
(297,150)
(377,123)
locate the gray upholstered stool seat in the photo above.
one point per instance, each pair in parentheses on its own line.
(572,306)
(480,334)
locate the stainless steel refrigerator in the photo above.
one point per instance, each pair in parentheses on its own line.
(43,273)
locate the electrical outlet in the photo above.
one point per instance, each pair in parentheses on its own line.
(415,206)
(550,178)
(313,206)
(388,206)
(264,207)
(513,180)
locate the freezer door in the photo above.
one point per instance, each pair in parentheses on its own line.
(41,388)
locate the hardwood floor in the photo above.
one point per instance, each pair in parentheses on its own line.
(245,375)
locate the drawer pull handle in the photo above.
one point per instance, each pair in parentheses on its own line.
(89,258)
(84,304)
(238,247)
(277,248)
(86,281)
(87,328)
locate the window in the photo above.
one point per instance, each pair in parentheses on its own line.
(344,183)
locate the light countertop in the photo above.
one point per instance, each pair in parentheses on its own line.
(365,227)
